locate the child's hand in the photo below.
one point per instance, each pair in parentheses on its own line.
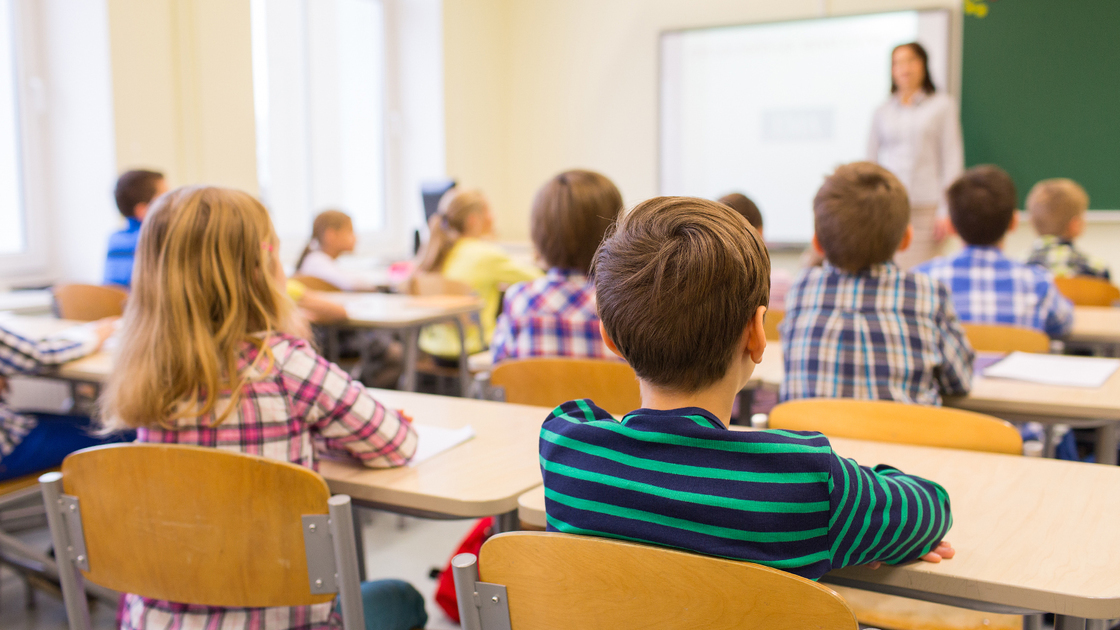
(944,550)
(407,419)
(104,329)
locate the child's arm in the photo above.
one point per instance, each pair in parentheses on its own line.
(954,376)
(20,355)
(504,269)
(883,515)
(341,413)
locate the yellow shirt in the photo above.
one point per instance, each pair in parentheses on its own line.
(487,268)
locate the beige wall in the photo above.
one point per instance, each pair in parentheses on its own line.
(183,89)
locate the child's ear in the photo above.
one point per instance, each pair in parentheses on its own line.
(610,342)
(1076,227)
(1014,222)
(755,335)
(817,246)
(907,237)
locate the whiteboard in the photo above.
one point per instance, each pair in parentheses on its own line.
(770,109)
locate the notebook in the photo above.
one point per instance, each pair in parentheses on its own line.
(1054,369)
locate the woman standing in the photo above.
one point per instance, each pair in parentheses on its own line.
(916,135)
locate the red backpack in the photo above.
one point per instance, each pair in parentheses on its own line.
(472,543)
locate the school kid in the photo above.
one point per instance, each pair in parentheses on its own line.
(134,192)
(555,316)
(332,234)
(459,249)
(987,287)
(858,326)
(1057,209)
(780,279)
(215,355)
(682,292)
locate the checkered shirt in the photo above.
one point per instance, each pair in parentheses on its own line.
(553,316)
(881,334)
(293,407)
(20,355)
(1062,259)
(990,288)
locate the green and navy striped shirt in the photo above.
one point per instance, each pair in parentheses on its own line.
(679,478)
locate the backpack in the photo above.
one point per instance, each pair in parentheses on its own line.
(471,543)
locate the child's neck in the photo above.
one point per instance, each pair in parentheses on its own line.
(716,399)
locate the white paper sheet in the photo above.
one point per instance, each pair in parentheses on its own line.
(1053,369)
(432,441)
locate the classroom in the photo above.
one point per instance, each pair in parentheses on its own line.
(544,314)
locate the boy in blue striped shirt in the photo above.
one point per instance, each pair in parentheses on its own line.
(682,288)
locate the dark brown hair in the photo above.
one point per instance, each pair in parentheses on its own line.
(135,187)
(981,204)
(860,214)
(677,282)
(920,51)
(571,214)
(743,205)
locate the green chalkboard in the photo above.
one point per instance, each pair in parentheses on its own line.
(1040,93)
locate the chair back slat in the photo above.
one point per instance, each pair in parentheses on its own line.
(899,423)
(88,302)
(770,323)
(154,513)
(559,581)
(549,382)
(1003,338)
(1088,291)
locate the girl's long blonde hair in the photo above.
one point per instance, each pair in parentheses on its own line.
(207,282)
(325,220)
(447,224)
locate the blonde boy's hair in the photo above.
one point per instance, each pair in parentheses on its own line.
(207,284)
(1053,203)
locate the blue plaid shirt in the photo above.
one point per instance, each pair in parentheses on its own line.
(881,334)
(990,288)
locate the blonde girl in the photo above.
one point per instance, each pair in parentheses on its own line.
(214,355)
(332,234)
(459,250)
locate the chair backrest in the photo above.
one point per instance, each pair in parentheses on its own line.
(612,385)
(196,525)
(1004,338)
(1088,291)
(88,302)
(771,321)
(428,283)
(315,284)
(900,423)
(606,583)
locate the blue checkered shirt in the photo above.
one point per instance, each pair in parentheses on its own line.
(881,334)
(990,288)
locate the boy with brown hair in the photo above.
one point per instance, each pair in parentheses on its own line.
(987,287)
(780,279)
(682,292)
(134,192)
(1057,209)
(858,326)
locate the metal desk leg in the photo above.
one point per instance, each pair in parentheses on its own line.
(1032,622)
(359,542)
(1065,622)
(334,345)
(411,351)
(508,522)
(1107,437)
(464,373)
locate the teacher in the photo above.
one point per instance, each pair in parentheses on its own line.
(916,134)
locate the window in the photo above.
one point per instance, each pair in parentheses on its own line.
(319,84)
(13,233)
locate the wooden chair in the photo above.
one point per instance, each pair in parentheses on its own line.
(900,423)
(427,283)
(200,526)
(772,319)
(1004,338)
(550,382)
(1088,291)
(316,284)
(551,581)
(88,302)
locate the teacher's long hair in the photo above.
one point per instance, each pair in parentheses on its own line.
(920,51)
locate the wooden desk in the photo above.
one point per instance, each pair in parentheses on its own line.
(38,302)
(1031,534)
(408,313)
(1096,326)
(481,477)
(37,326)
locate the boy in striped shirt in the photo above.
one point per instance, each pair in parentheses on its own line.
(682,288)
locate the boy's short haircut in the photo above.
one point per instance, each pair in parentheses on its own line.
(677,282)
(1053,203)
(135,187)
(860,215)
(743,205)
(571,214)
(982,204)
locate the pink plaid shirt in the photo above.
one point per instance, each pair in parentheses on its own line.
(293,407)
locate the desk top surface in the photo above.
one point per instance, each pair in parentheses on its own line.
(385,310)
(1099,324)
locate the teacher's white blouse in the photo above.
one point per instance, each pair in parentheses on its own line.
(920,143)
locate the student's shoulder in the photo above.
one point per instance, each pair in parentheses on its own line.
(292,354)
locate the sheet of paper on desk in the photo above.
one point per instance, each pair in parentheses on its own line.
(432,441)
(1054,369)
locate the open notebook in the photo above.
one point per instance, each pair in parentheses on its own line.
(1053,369)
(432,441)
